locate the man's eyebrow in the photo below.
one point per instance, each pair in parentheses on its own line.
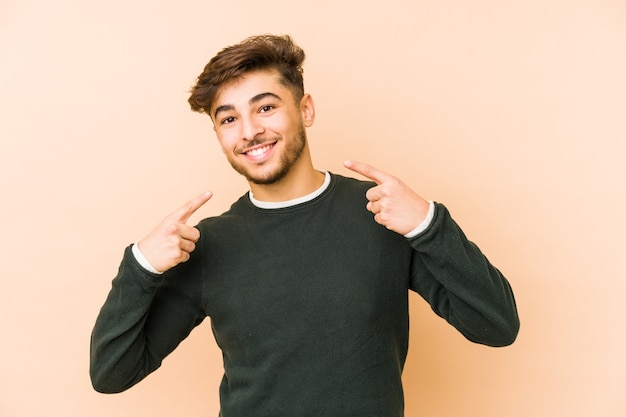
(253,100)
(261,96)
(224,107)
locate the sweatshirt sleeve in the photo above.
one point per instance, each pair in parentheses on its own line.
(145,316)
(461,285)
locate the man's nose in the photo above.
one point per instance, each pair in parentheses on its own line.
(251,128)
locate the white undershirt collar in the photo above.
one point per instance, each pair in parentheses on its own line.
(295,201)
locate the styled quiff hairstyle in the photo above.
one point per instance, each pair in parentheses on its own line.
(264,52)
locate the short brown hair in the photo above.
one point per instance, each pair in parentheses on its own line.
(263,52)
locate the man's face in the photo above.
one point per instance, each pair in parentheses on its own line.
(260,127)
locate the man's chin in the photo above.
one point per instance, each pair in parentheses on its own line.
(271,178)
(263,178)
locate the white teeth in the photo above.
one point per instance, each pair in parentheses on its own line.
(259,151)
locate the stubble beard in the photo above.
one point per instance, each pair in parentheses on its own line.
(292,153)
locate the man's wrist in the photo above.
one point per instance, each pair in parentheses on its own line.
(425,223)
(141,259)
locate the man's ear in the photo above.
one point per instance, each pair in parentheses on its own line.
(307,107)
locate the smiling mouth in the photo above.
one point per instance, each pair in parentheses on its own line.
(260,150)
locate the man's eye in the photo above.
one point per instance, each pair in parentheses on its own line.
(265,108)
(228,120)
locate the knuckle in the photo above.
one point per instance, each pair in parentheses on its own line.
(175,252)
(173,241)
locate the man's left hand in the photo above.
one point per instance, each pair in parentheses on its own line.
(392,202)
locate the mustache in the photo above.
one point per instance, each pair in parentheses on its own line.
(257,142)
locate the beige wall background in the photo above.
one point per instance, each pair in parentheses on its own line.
(512,113)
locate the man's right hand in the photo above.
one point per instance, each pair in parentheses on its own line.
(172,241)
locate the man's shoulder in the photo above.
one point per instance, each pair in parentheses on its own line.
(349,188)
(350,182)
(237,209)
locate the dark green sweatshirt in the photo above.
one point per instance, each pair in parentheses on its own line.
(309,305)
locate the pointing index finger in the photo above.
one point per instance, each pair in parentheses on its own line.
(367,171)
(190,207)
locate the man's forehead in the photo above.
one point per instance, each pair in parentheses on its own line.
(246,87)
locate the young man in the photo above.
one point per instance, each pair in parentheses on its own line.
(306,277)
